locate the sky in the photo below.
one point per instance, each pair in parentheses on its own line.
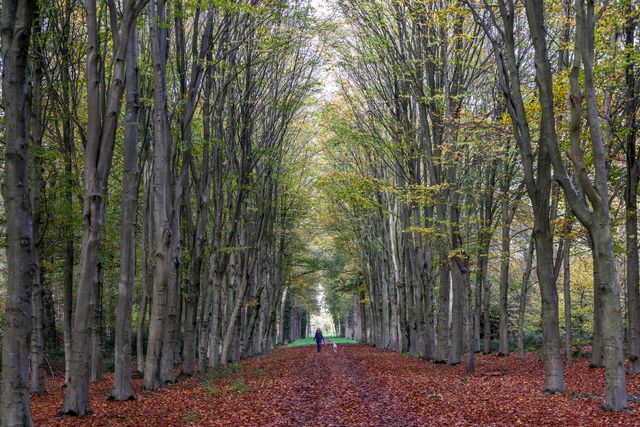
(324,10)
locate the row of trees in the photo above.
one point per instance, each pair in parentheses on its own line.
(153,183)
(449,114)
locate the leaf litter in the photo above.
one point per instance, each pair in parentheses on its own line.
(358,385)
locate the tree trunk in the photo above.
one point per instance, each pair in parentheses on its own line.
(597,349)
(566,279)
(526,275)
(465,273)
(283,305)
(607,286)
(215,323)
(426,281)
(197,260)
(481,277)
(554,379)
(122,386)
(387,288)
(442,345)
(50,332)
(147,279)
(68,149)
(486,317)
(176,342)
(98,157)
(631,193)
(457,315)
(96,328)
(17,19)
(231,334)
(505,257)
(171,331)
(67,318)
(37,293)
(162,228)
(190,318)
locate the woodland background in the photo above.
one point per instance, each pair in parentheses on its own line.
(182,180)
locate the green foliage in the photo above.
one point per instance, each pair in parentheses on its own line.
(309,341)
(215,391)
(240,386)
(191,416)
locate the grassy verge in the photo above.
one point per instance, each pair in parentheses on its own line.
(329,340)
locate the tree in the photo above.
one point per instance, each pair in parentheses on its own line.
(596,219)
(162,232)
(15,31)
(122,386)
(537,177)
(97,164)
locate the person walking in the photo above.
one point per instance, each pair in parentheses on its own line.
(319,339)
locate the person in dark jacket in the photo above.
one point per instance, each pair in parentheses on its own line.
(319,339)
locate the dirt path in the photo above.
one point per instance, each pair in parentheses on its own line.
(358,385)
(334,389)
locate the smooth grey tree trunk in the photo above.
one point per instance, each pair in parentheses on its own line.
(481,276)
(161,226)
(37,293)
(615,380)
(98,157)
(172,319)
(97,325)
(631,191)
(468,321)
(457,316)
(524,287)
(122,385)
(199,242)
(68,149)
(505,258)
(15,28)
(597,344)
(442,345)
(486,315)
(216,325)
(50,331)
(283,306)
(147,270)
(566,286)
(242,285)
(554,379)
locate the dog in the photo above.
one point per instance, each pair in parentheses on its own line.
(335,347)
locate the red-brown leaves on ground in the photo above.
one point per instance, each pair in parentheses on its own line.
(358,385)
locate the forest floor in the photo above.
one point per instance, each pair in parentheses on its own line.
(358,385)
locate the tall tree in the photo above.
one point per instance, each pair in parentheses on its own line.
(122,386)
(98,157)
(537,176)
(596,219)
(15,32)
(161,225)
(37,295)
(633,178)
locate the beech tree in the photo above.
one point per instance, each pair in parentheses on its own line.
(595,219)
(101,127)
(122,386)
(15,31)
